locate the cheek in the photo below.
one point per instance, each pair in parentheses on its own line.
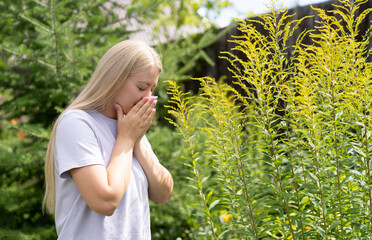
(132,99)
(128,97)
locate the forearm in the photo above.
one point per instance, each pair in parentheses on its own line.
(159,178)
(119,169)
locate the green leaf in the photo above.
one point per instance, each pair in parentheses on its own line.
(37,23)
(213,204)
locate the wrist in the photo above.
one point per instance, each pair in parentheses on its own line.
(140,150)
(125,143)
(138,145)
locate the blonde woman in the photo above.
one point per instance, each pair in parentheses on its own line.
(100,170)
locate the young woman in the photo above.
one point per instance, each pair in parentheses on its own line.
(100,170)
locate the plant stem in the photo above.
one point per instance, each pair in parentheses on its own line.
(367,158)
(293,176)
(268,123)
(246,195)
(182,113)
(336,152)
(237,209)
(201,193)
(219,106)
(316,154)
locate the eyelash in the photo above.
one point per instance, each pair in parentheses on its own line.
(143,89)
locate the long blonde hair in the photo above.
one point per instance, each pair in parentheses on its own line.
(123,59)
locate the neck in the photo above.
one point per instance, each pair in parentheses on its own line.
(110,112)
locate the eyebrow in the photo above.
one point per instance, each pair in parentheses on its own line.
(148,84)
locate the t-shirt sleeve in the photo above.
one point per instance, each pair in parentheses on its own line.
(76,144)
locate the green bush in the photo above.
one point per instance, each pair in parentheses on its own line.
(284,151)
(175,218)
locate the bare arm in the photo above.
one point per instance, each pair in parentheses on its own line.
(102,188)
(159,178)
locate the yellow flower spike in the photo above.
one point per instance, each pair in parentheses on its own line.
(225,216)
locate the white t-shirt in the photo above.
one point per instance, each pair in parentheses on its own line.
(85,138)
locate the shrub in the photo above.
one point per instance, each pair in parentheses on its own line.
(283,151)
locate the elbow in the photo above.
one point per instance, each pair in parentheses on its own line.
(105,202)
(167,199)
(164,199)
(168,195)
(162,196)
(105,208)
(108,211)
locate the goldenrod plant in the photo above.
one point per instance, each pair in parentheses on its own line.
(48,52)
(183,110)
(283,152)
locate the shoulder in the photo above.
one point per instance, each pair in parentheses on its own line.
(75,121)
(76,142)
(75,117)
(75,114)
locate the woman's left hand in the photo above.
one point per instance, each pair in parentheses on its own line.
(137,121)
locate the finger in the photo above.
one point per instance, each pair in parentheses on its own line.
(154,102)
(119,111)
(147,107)
(151,108)
(146,113)
(140,104)
(150,116)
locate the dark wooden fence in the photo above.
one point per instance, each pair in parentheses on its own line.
(221,65)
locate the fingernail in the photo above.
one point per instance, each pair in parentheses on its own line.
(154,97)
(146,98)
(154,110)
(116,106)
(154,102)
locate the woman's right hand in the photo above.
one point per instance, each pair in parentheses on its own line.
(134,125)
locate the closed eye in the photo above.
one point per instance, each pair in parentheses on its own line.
(144,89)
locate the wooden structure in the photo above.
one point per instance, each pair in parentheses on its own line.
(221,65)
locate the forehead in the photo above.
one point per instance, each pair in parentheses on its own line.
(148,76)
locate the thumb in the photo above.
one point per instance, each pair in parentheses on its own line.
(119,111)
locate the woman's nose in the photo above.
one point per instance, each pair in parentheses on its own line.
(147,93)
